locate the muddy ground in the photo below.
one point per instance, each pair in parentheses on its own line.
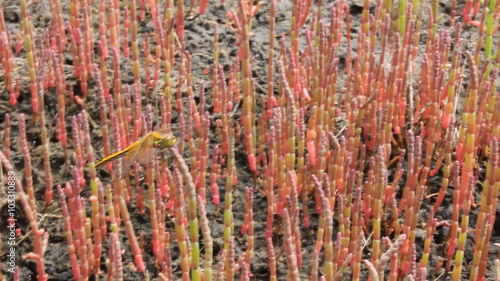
(199,36)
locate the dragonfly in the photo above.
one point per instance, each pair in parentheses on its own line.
(142,150)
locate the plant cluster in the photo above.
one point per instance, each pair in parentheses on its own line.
(368,143)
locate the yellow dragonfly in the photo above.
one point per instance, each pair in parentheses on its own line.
(142,150)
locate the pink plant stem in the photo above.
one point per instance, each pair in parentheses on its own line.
(7,60)
(430,229)
(314,265)
(207,237)
(243,24)
(381,180)
(468,130)
(181,79)
(245,272)
(139,262)
(61,105)
(293,203)
(102,215)
(94,198)
(3,28)
(137,109)
(148,59)
(150,173)
(117,170)
(269,189)
(291,258)
(194,117)
(116,254)
(249,225)
(78,153)
(82,54)
(230,263)
(234,89)
(88,32)
(161,215)
(102,30)
(262,126)
(327,217)
(168,264)
(157,63)
(291,118)
(180,20)
(79,219)
(454,228)
(110,272)
(103,110)
(228,199)
(6,136)
(203,144)
(126,27)
(134,42)
(301,168)
(45,147)
(69,234)
(191,117)
(29,45)
(459,254)
(272,260)
(1,274)
(214,176)
(193,219)
(279,173)
(180,219)
(271,100)
(122,118)
(113,20)
(201,102)
(215,71)
(487,209)
(225,118)
(357,235)
(166,40)
(27,163)
(74,48)
(110,208)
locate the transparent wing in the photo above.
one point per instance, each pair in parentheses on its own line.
(143,153)
(164,132)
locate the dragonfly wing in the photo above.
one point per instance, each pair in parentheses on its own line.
(142,154)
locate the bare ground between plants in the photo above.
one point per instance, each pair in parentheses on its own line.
(199,36)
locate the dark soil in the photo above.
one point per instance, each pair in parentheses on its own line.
(198,39)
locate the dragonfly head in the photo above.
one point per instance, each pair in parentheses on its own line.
(165,142)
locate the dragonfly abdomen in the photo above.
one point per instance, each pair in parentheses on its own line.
(116,155)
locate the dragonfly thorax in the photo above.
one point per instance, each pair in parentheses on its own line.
(164,143)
